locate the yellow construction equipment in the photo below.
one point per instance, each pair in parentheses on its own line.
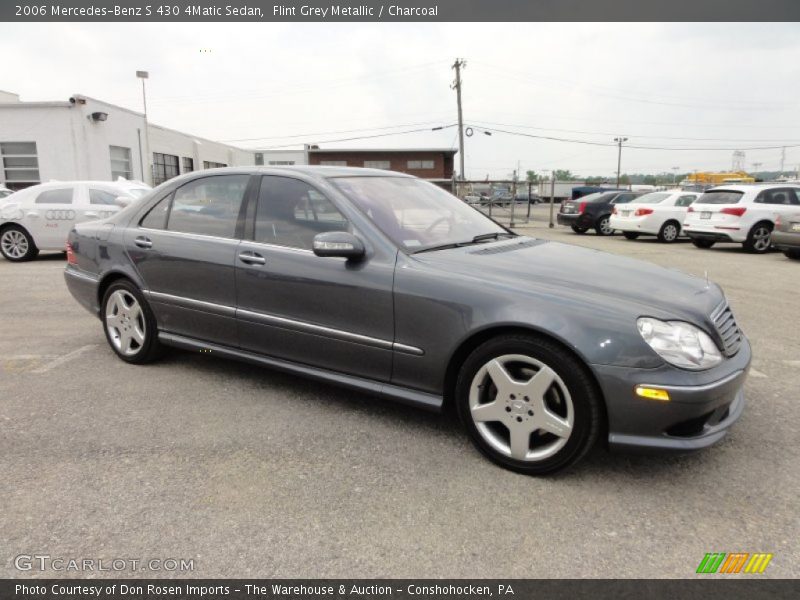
(708,178)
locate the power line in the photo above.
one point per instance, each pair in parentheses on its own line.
(365,137)
(299,135)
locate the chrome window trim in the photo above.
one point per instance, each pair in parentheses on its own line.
(186,234)
(301,326)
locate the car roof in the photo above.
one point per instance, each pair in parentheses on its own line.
(752,186)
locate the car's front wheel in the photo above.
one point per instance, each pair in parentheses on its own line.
(129,323)
(603,226)
(527,404)
(17,245)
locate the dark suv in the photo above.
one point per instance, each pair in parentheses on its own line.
(593,210)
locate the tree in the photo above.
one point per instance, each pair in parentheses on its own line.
(649,180)
(531,177)
(624,180)
(563,175)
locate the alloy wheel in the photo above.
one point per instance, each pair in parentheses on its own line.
(761,239)
(14,243)
(521,407)
(125,322)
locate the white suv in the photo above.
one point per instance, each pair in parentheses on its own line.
(744,214)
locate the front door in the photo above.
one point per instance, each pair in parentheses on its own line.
(185,250)
(50,216)
(325,312)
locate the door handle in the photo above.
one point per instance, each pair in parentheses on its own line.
(143,242)
(252,258)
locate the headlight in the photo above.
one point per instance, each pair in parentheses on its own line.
(680,344)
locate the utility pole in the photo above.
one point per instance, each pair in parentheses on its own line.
(458,65)
(148,175)
(619,141)
(783,158)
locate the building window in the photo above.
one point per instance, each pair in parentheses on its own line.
(260,158)
(20,164)
(333,163)
(281,163)
(377,164)
(418,165)
(120,162)
(207,164)
(165,166)
(187,164)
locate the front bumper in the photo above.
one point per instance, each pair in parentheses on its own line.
(702,407)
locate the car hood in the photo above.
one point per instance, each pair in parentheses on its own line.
(583,275)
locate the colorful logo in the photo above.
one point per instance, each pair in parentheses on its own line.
(735,562)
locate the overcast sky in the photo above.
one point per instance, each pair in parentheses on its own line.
(661,85)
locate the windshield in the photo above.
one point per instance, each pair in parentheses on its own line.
(416,214)
(652,198)
(720,197)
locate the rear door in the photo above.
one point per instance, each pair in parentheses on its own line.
(324,312)
(185,249)
(50,215)
(99,203)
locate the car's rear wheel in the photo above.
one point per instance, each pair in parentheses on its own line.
(792,253)
(759,239)
(669,232)
(630,235)
(701,243)
(527,404)
(129,323)
(580,230)
(17,245)
(603,226)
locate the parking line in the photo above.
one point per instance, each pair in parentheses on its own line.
(63,359)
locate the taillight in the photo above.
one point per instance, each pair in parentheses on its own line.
(581,207)
(737,211)
(690,209)
(614,210)
(640,212)
(71,258)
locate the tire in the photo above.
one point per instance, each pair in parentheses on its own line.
(17,245)
(793,253)
(630,235)
(669,232)
(701,243)
(759,239)
(603,226)
(568,404)
(580,230)
(129,324)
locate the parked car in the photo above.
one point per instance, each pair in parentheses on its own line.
(658,213)
(4,191)
(593,211)
(473,199)
(786,235)
(40,217)
(394,287)
(521,197)
(744,214)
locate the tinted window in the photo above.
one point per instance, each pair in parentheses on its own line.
(720,197)
(157,217)
(599,197)
(653,198)
(62,196)
(685,200)
(623,198)
(208,206)
(290,213)
(779,196)
(102,197)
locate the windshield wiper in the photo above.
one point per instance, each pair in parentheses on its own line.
(485,237)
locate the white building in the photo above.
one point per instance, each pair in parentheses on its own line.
(88,139)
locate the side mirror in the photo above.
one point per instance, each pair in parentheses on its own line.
(338,243)
(123,201)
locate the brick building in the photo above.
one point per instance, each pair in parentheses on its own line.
(433,164)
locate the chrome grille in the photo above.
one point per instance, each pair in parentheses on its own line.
(727,328)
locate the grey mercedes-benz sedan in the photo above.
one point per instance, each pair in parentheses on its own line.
(388,284)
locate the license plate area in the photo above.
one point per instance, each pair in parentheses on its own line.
(795,226)
(705,214)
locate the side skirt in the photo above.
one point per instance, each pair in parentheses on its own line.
(400,394)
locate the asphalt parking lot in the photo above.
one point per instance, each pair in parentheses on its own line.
(254,473)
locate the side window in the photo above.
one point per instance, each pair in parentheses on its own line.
(623,199)
(291,212)
(685,200)
(792,197)
(102,197)
(208,206)
(60,196)
(779,196)
(157,217)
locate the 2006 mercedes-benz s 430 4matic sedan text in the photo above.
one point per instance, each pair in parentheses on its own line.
(388,284)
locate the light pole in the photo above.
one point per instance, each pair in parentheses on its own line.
(674,174)
(146,168)
(619,141)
